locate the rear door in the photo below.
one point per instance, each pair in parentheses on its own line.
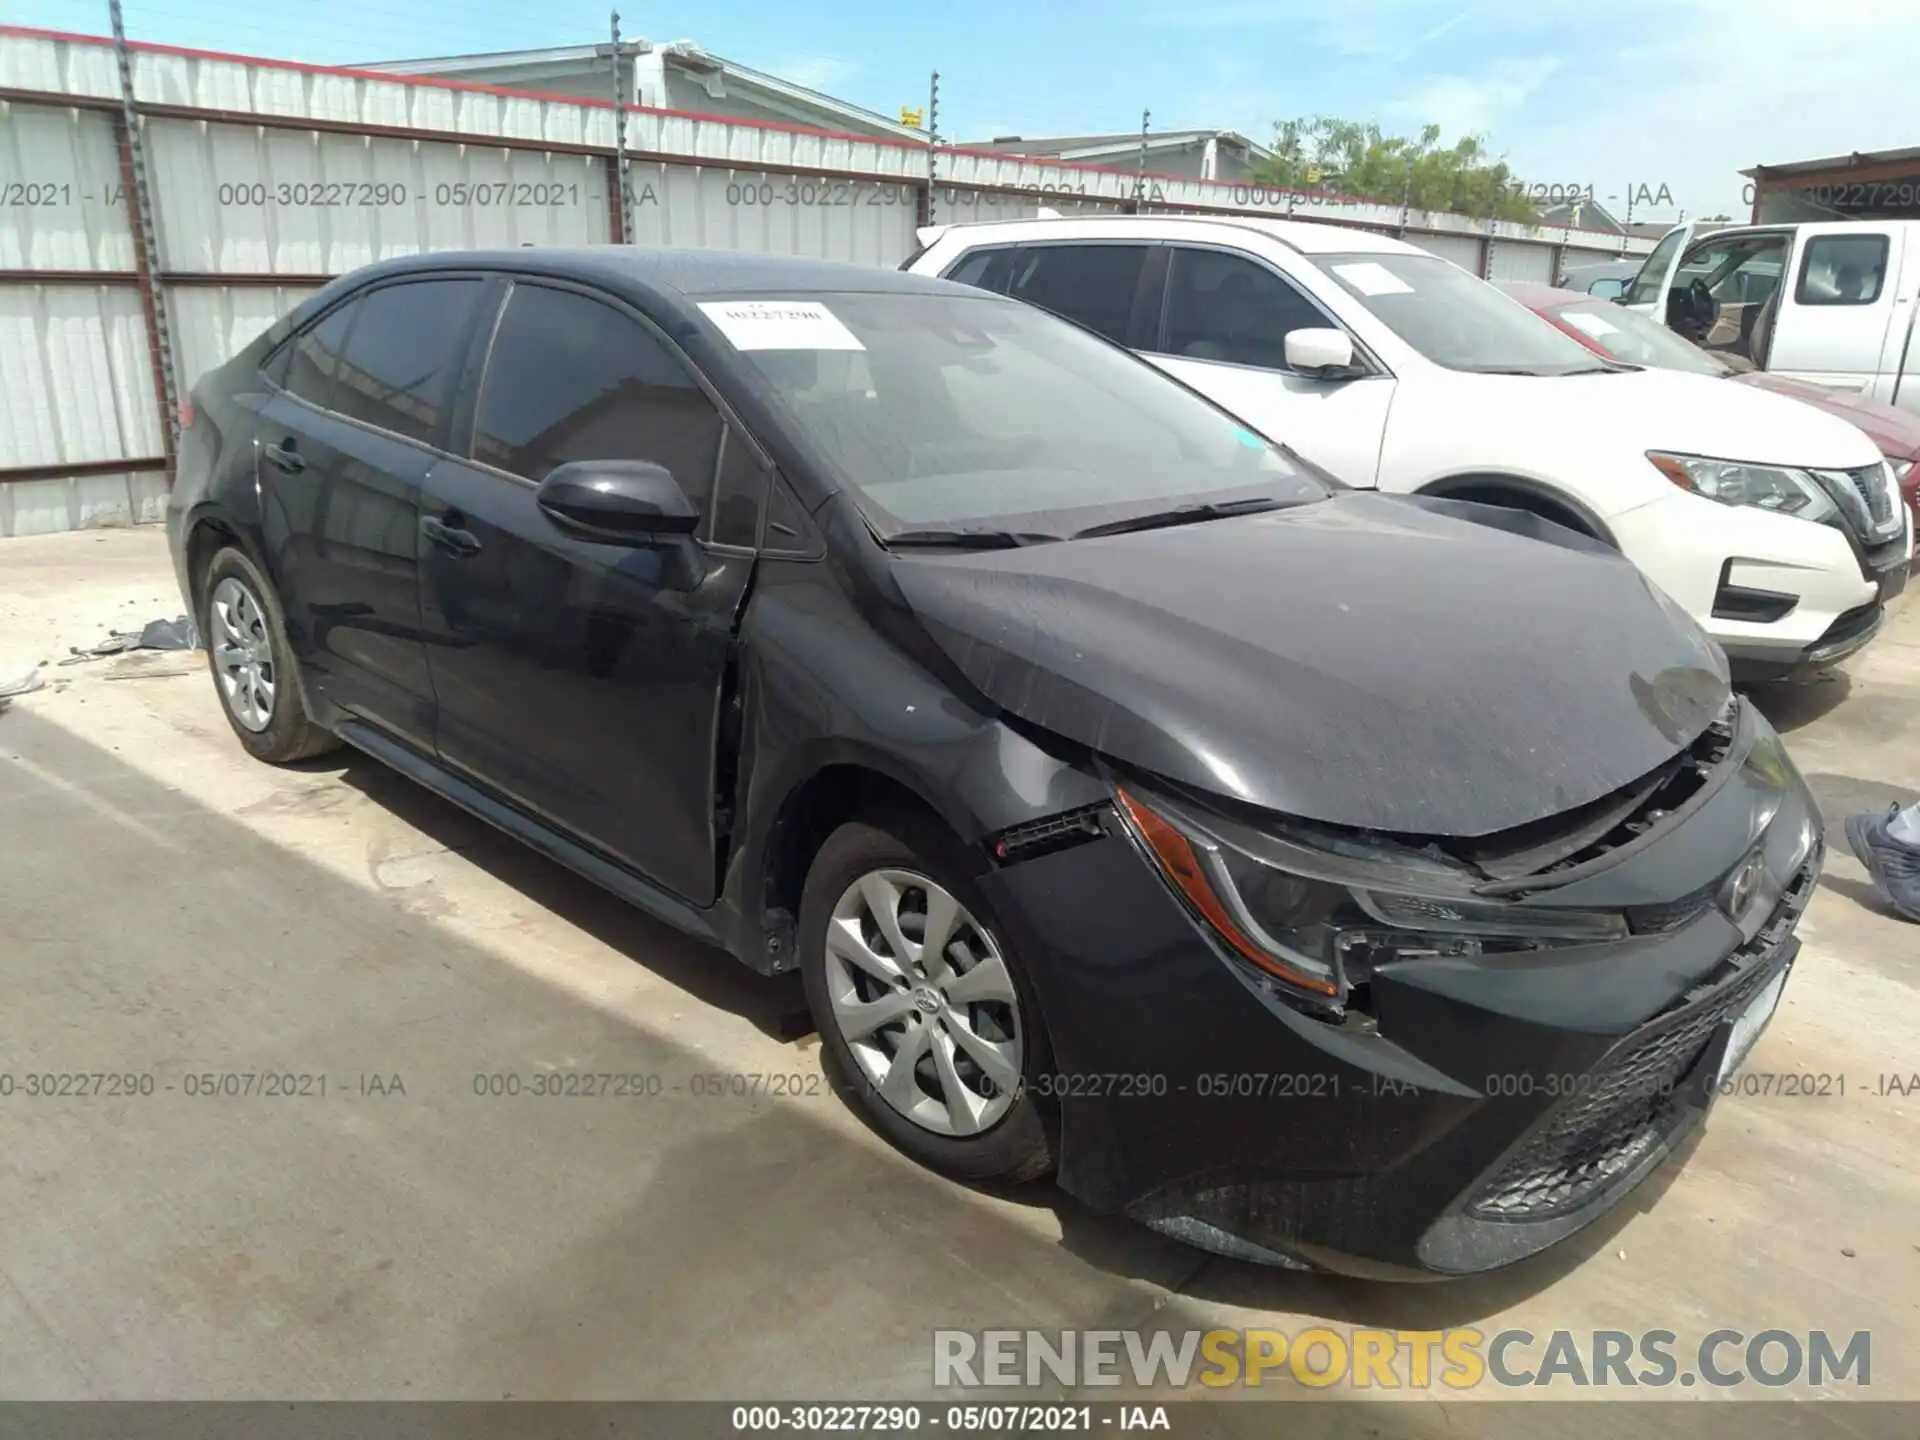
(1223,330)
(1842,317)
(580,680)
(360,405)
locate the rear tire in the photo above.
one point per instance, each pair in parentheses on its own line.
(965,1018)
(252,665)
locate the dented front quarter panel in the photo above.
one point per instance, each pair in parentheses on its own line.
(821,686)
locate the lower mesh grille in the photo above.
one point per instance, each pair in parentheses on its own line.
(1627,1104)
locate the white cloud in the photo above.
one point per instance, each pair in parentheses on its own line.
(1473,104)
(817,72)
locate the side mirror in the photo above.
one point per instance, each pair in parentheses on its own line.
(1607,289)
(627,502)
(1324,354)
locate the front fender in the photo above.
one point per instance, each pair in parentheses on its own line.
(820,687)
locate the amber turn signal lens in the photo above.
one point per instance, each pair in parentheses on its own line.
(1176,857)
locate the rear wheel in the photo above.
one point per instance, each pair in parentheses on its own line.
(252,664)
(927,1025)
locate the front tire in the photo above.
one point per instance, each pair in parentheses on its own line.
(935,1045)
(252,664)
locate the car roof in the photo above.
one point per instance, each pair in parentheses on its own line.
(679,273)
(1306,236)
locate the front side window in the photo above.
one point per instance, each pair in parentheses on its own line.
(1092,285)
(1454,319)
(1225,307)
(1720,297)
(961,411)
(1646,284)
(1842,270)
(573,378)
(403,354)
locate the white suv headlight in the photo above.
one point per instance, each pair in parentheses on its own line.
(1779,488)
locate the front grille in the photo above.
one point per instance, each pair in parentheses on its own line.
(1871,484)
(1865,497)
(1625,1107)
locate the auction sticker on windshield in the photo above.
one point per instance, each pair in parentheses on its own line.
(780,325)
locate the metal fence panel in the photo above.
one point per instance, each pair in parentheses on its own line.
(82,502)
(61,206)
(58,65)
(1513,260)
(78,378)
(212,324)
(243,199)
(1574,256)
(869,222)
(1462,250)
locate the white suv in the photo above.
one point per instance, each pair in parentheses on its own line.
(1777,527)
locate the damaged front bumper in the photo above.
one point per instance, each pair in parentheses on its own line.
(1458,1112)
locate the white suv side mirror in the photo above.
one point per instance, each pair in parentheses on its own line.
(1317,352)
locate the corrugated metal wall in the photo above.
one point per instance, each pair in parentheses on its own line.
(1509,260)
(1462,250)
(268,177)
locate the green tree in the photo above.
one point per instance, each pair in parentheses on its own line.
(1357,158)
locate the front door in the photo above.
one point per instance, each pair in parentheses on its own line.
(582,680)
(1647,291)
(344,443)
(1225,329)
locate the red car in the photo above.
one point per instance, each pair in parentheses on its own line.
(1633,339)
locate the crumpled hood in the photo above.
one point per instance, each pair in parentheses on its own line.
(1370,660)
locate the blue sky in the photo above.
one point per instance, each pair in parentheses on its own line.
(1679,94)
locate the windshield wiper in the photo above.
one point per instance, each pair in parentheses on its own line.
(1180,515)
(965,539)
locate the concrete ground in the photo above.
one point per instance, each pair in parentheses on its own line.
(169,908)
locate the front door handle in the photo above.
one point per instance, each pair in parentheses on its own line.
(283,456)
(454,541)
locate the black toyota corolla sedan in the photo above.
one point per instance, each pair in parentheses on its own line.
(1377,884)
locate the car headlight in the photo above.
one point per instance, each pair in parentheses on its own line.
(1779,488)
(1320,917)
(1901,469)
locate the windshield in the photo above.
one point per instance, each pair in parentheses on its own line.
(966,413)
(1633,339)
(1456,320)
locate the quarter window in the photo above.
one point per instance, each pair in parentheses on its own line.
(1225,307)
(314,353)
(572,378)
(1843,270)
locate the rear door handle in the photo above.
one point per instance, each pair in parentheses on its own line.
(454,541)
(285,457)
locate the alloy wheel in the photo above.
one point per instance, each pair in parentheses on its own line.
(242,654)
(922,996)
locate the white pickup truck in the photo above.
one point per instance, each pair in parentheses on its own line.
(1833,303)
